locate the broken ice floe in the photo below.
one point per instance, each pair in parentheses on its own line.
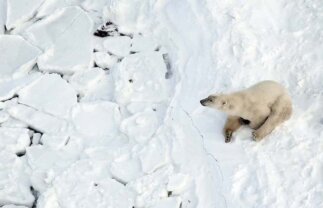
(154,155)
(50,94)
(151,188)
(105,60)
(3,15)
(38,120)
(141,78)
(19,11)
(171,202)
(96,119)
(15,186)
(84,81)
(14,140)
(140,126)
(141,43)
(118,45)
(10,87)
(17,55)
(126,170)
(86,183)
(13,206)
(65,37)
(47,162)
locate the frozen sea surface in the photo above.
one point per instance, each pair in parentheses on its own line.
(99,103)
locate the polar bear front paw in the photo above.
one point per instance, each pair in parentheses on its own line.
(228,135)
(257,136)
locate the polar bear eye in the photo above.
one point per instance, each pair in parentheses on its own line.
(224,102)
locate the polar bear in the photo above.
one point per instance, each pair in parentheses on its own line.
(262,106)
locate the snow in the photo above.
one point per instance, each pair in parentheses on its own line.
(47,93)
(115,121)
(14,140)
(17,55)
(10,87)
(140,126)
(20,11)
(101,191)
(141,78)
(118,45)
(96,119)
(65,37)
(3,16)
(38,120)
(104,60)
(12,170)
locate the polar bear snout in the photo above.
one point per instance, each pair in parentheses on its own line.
(208,100)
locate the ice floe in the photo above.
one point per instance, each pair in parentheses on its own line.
(97,119)
(141,78)
(65,38)
(50,94)
(38,120)
(14,140)
(17,55)
(14,180)
(19,11)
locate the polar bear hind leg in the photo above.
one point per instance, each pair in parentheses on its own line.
(281,111)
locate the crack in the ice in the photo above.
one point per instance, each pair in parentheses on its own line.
(205,150)
(35,194)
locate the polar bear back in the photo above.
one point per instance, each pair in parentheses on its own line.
(266,91)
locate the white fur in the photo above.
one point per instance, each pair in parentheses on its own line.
(265,105)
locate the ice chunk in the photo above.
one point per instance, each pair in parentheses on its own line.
(97,119)
(4,116)
(19,11)
(38,120)
(17,55)
(54,141)
(104,60)
(14,140)
(141,43)
(50,94)
(151,188)
(8,88)
(3,15)
(46,158)
(65,36)
(83,81)
(49,7)
(126,170)
(102,90)
(153,156)
(172,202)
(15,186)
(13,206)
(46,163)
(118,45)
(178,183)
(86,183)
(140,126)
(141,77)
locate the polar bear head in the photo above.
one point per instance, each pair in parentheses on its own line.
(226,103)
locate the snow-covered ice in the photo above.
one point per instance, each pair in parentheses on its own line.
(50,94)
(65,37)
(141,78)
(19,11)
(17,55)
(96,119)
(99,103)
(14,140)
